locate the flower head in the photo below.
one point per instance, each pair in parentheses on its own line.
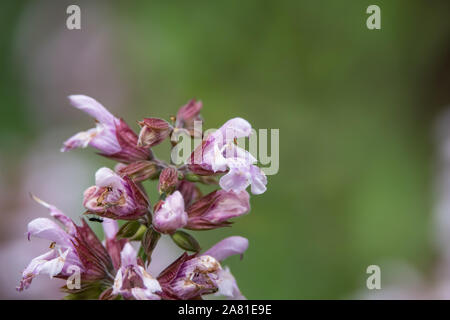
(219,153)
(71,245)
(115,197)
(132,281)
(111,136)
(192,276)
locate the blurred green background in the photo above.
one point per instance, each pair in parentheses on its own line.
(355,109)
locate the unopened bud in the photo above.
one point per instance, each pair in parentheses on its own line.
(168,180)
(153,132)
(185,241)
(140,170)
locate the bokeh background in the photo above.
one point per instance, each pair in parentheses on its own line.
(362,176)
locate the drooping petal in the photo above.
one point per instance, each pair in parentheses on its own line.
(79,140)
(93,108)
(58,215)
(105,139)
(50,263)
(237,180)
(258,180)
(47,229)
(228,286)
(228,247)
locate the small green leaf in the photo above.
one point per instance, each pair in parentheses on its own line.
(192,177)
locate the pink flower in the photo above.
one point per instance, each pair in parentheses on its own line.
(111,136)
(241,175)
(132,281)
(169,214)
(215,209)
(70,246)
(219,153)
(190,277)
(115,197)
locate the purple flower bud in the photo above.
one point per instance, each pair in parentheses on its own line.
(72,246)
(115,197)
(169,214)
(216,208)
(140,170)
(168,180)
(111,136)
(132,281)
(153,132)
(187,114)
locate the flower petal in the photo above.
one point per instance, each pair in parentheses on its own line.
(110,228)
(227,285)
(93,108)
(47,229)
(128,255)
(258,180)
(228,247)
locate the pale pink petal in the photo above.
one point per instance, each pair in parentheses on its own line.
(235,128)
(227,285)
(47,229)
(128,256)
(58,215)
(105,177)
(258,180)
(237,180)
(110,228)
(228,247)
(93,108)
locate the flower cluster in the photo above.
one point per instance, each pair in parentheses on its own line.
(117,268)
